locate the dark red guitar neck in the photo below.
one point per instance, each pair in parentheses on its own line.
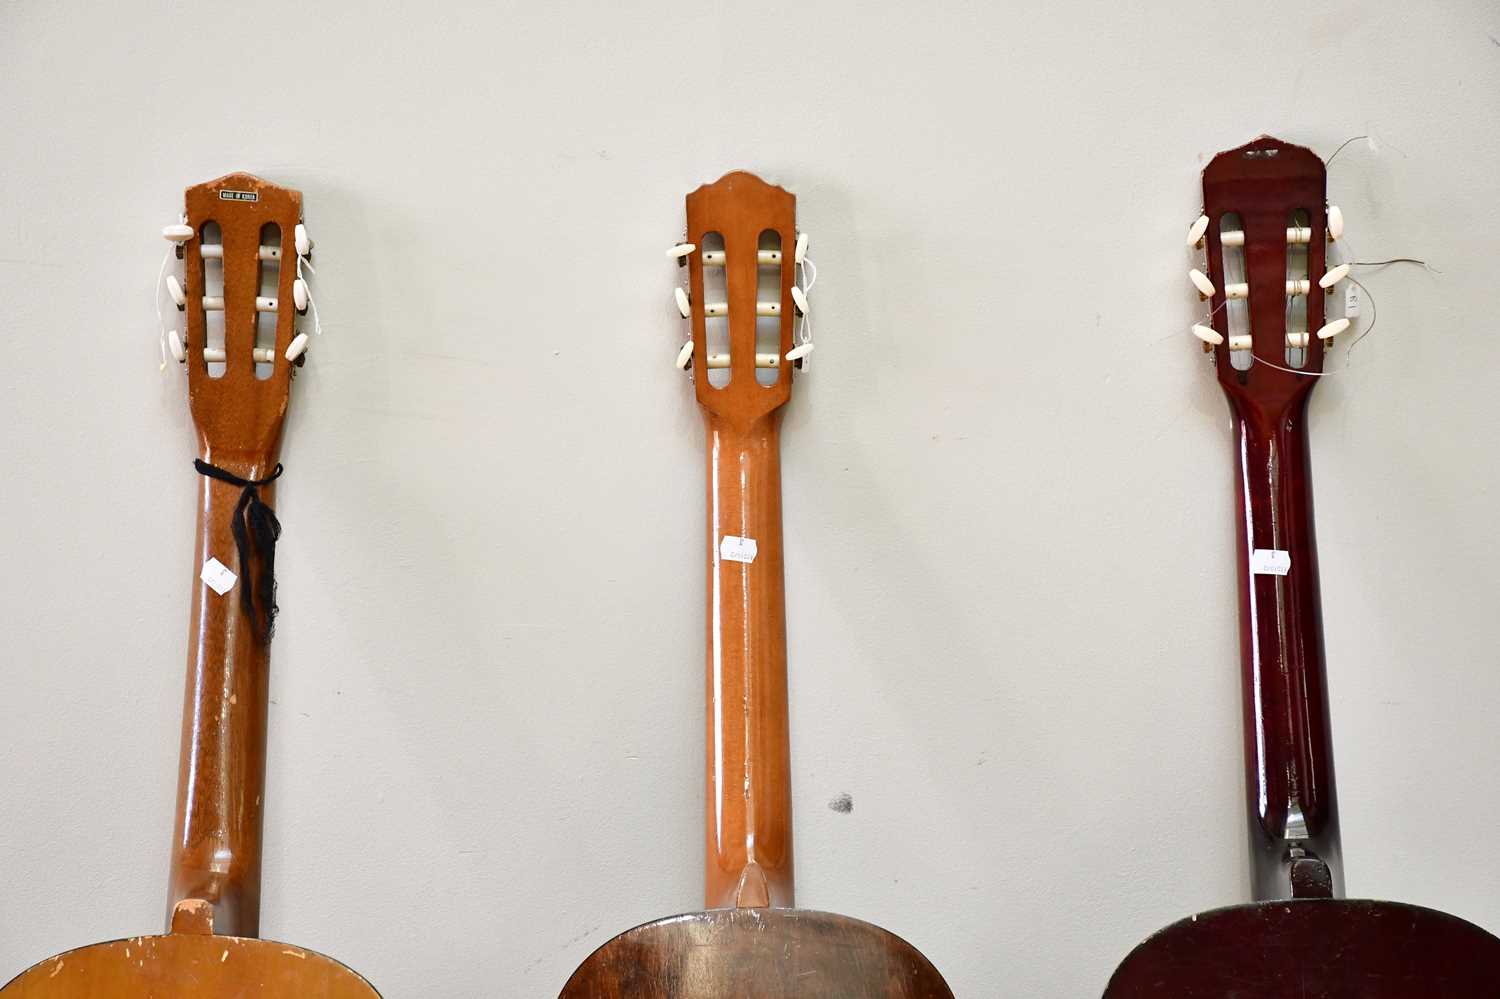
(1267,185)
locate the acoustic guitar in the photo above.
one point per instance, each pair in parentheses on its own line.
(240,298)
(748,940)
(1266,230)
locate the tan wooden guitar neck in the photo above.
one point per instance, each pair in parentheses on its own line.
(749,941)
(210,950)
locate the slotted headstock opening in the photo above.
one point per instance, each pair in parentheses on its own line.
(739,367)
(1265,203)
(238,330)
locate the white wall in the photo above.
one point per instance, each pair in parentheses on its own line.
(1012,613)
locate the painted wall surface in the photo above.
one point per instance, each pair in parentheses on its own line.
(1012,617)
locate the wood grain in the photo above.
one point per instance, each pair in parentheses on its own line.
(764,953)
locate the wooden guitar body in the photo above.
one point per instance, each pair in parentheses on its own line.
(189,966)
(1314,949)
(766,953)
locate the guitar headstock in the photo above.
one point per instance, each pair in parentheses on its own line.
(741,251)
(240,242)
(1265,226)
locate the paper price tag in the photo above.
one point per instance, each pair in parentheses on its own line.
(218,576)
(1351,300)
(1270,562)
(737,549)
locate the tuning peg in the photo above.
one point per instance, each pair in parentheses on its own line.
(1241,342)
(301,241)
(800,253)
(299,294)
(799,299)
(297,347)
(1196,231)
(680,252)
(1333,329)
(179,233)
(1334,276)
(685,356)
(1296,341)
(684,304)
(174,288)
(1201,282)
(174,344)
(1335,223)
(799,352)
(1207,334)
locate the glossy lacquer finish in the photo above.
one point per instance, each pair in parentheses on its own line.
(748,942)
(209,951)
(1288,752)
(1301,940)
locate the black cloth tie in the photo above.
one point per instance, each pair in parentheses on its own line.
(255,530)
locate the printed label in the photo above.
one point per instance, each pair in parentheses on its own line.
(1351,300)
(238,196)
(1270,562)
(737,549)
(218,576)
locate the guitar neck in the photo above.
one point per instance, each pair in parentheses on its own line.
(216,849)
(1288,750)
(748,816)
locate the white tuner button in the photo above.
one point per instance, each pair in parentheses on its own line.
(799,299)
(685,356)
(681,252)
(1201,282)
(177,233)
(174,288)
(174,344)
(800,254)
(297,347)
(299,294)
(799,352)
(684,304)
(302,242)
(1333,329)
(1207,334)
(1196,230)
(1335,222)
(1334,276)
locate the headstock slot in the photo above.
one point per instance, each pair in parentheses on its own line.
(211,269)
(1278,192)
(1297,275)
(769,262)
(743,209)
(715,323)
(268,286)
(1236,308)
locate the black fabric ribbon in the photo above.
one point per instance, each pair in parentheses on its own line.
(255,530)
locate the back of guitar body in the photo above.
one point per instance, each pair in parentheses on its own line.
(765,953)
(189,966)
(1314,949)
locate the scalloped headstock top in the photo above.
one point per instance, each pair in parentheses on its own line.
(1265,228)
(237,294)
(741,277)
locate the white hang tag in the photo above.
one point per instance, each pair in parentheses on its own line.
(737,549)
(1270,562)
(1351,300)
(218,576)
